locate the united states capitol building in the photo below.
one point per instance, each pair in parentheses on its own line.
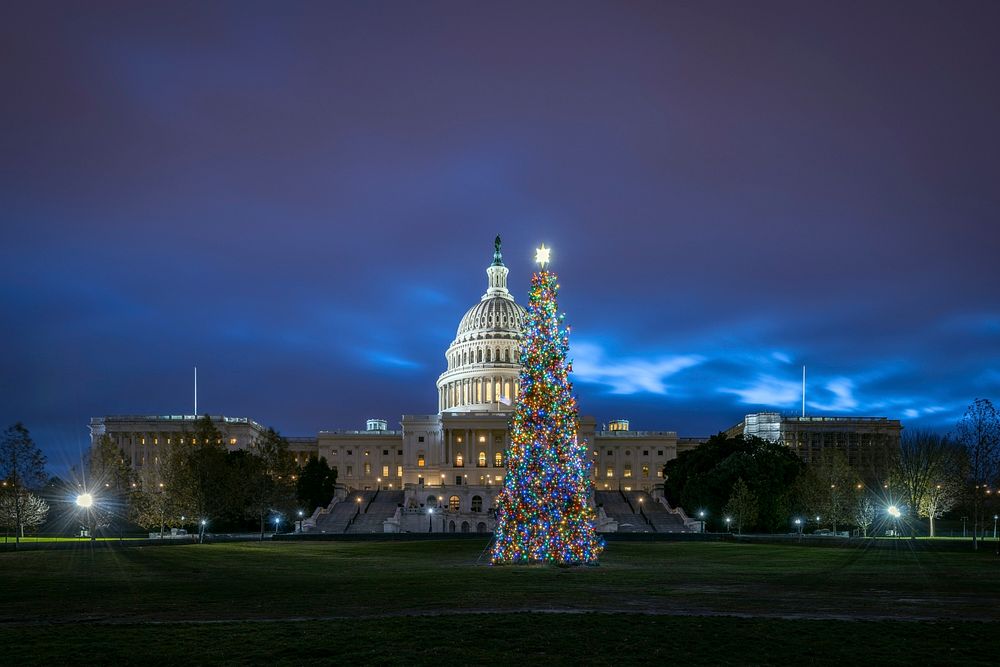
(441,472)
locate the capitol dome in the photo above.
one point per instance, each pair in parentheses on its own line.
(483,360)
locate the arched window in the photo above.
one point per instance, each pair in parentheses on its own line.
(488,358)
(454,503)
(498,460)
(479,356)
(506,356)
(480,527)
(482,459)
(431,501)
(459,460)
(477,503)
(465,526)
(451,526)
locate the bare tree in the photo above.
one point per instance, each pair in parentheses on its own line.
(979,432)
(864,513)
(928,471)
(22,466)
(33,511)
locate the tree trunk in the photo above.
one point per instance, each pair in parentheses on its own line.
(932,523)
(261,526)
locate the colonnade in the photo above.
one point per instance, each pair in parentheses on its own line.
(476,391)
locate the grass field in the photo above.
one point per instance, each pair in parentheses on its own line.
(436,603)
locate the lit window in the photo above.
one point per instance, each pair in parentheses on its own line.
(350,471)
(459,438)
(627,472)
(453,503)
(385,471)
(645,471)
(142,441)
(659,473)
(482,459)
(368,469)
(611,471)
(399,471)
(498,460)
(482,438)
(459,460)
(367,452)
(232,441)
(420,460)
(156,441)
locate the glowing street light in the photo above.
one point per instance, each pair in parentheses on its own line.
(300,520)
(85,500)
(728,520)
(893,511)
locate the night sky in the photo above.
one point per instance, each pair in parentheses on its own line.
(301,199)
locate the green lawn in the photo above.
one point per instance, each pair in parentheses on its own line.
(781,600)
(32,540)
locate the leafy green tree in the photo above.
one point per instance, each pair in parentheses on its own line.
(22,468)
(829,488)
(316,484)
(112,480)
(201,467)
(703,478)
(268,477)
(742,506)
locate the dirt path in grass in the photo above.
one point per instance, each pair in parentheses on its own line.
(797,616)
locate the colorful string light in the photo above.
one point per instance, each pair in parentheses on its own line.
(543,510)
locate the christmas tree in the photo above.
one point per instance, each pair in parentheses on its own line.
(543,515)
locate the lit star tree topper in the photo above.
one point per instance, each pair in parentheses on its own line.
(543,510)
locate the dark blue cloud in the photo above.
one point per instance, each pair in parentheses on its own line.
(302,204)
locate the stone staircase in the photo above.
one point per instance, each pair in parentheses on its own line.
(617,507)
(375,510)
(655,514)
(638,512)
(343,513)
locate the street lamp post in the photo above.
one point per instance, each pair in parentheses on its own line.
(85,501)
(798,527)
(201,531)
(728,521)
(701,515)
(277,520)
(895,514)
(430,519)
(300,521)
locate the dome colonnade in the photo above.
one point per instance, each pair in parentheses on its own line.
(483,360)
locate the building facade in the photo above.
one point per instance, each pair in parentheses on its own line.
(864,441)
(452,461)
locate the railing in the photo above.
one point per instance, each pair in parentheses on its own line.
(353,518)
(371,500)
